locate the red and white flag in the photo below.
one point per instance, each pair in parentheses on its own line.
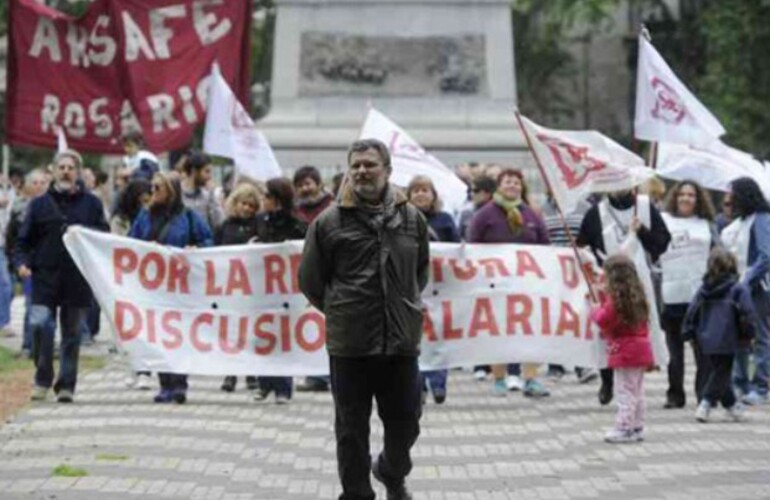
(666,111)
(410,159)
(578,163)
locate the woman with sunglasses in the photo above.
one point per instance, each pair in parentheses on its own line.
(168,222)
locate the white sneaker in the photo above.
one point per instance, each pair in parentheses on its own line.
(143,382)
(736,413)
(39,393)
(702,412)
(514,383)
(480,375)
(617,436)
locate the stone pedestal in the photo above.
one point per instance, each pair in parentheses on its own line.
(442,69)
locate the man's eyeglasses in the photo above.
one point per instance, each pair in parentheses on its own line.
(65,166)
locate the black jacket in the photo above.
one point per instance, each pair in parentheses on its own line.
(367,277)
(237,231)
(276,227)
(56,281)
(654,240)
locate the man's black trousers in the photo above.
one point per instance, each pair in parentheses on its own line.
(394,382)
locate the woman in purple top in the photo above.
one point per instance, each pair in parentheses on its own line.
(509,219)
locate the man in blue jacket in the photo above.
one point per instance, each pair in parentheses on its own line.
(58,284)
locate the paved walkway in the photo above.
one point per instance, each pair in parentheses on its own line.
(475,447)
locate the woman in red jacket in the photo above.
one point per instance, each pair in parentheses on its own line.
(623,319)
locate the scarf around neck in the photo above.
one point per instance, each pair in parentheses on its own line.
(512,211)
(380,213)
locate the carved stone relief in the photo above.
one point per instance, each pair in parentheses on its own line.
(436,66)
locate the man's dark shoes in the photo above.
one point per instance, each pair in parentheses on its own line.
(312,385)
(252,383)
(396,489)
(605,394)
(229,384)
(671,404)
(179,396)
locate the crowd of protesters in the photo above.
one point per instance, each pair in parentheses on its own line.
(719,302)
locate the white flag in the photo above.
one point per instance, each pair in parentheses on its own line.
(230,132)
(713,167)
(409,159)
(666,111)
(577,163)
(61,140)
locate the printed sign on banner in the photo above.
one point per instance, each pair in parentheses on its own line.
(578,163)
(124,65)
(238,310)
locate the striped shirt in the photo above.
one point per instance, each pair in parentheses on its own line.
(555,227)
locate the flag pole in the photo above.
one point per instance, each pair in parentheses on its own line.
(570,236)
(652,154)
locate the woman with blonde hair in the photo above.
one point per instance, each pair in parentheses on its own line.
(240,227)
(441,227)
(168,222)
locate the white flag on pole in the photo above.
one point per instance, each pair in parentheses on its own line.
(713,167)
(230,132)
(409,159)
(61,140)
(578,163)
(666,111)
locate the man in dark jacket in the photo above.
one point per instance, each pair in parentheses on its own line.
(365,265)
(57,281)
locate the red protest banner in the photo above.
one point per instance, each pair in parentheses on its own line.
(124,64)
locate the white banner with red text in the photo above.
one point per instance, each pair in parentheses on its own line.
(238,310)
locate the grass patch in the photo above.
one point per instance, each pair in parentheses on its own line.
(9,362)
(68,471)
(110,457)
(91,363)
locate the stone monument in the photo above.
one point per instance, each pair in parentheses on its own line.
(442,69)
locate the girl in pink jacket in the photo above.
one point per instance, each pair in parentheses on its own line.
(623,320)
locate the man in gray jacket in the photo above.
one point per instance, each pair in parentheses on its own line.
(365,265)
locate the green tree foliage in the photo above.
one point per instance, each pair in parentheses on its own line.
(735,83)
(544,67)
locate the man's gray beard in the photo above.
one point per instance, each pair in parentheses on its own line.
(63,186)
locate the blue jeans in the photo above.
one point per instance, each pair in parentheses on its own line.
(435,380)
(26,342)
(741,377)
(6,290)
(42,345)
